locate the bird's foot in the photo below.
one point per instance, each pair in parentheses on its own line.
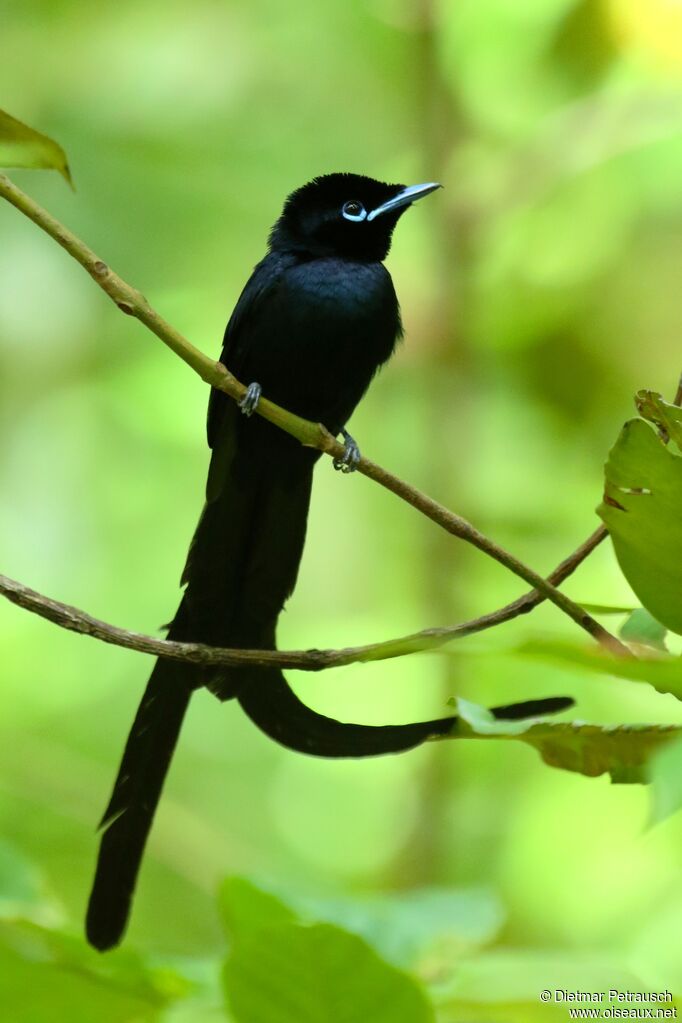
(348,462)
(249,402)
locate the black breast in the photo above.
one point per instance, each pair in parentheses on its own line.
(329,325)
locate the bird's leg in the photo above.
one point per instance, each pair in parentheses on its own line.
(348,462)
(249,402)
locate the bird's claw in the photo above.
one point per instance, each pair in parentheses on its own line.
(348,462)
(249,402)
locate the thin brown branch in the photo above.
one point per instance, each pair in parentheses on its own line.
(459,527)
(526,603)
(133,303)
(71,618)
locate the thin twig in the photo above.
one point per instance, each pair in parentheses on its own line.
(68,617)
(133,303)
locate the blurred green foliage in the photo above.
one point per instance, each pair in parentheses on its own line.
(539,292)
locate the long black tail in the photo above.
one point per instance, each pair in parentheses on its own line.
(241,568)
(128,817)
(278,712)
(267,699)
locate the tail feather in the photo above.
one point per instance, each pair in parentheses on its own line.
(241,568)
(269,702)
(274,708)
(128,818)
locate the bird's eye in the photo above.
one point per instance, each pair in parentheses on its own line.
(354,210)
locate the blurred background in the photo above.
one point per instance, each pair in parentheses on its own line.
(539,290)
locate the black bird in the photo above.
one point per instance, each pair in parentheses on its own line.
(316,320)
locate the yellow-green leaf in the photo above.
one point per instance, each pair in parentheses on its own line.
(294,973)
(21,146)
(622,751)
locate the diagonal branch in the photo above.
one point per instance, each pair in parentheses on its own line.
(72,618)
(133,303)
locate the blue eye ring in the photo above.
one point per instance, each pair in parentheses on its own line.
(354,211)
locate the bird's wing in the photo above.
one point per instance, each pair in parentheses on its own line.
(239,456)
(260,289)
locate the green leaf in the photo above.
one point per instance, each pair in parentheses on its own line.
(643,629)
(122,971)
(642,509)
(663,672)
(401,928)
(666,782)
(32,991)
(45,975)
(606,609)
(663,414)
(293,973)
(21,146)
(246,908)
(622,751)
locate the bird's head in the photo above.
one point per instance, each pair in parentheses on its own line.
(345,215)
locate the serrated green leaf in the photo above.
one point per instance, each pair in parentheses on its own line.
(621,751)
(293,973)
(663,414)
(642,628)
(642,509)
(21,146)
